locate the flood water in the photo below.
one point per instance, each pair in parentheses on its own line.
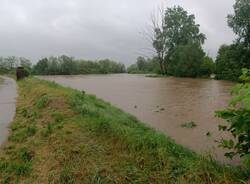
(8,95)
(164,103)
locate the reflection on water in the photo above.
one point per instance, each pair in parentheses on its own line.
(7,106)
(164,103)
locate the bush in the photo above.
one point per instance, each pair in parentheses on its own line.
(230,60)
(207,67)
(238,117)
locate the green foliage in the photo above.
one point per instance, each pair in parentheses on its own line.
(230,60)
(186,61)
(20,134)
(238,117)
(144,66)
(43,101)
(178,29)
(207,67)
(9,64)
(239,21)
(65,65)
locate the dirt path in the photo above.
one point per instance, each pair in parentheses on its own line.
(8,94)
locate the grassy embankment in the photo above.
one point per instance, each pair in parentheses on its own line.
(60,135)
(1,80)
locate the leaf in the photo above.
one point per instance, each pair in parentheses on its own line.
(222,128)
(230,155)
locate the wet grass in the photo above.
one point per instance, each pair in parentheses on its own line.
(61,135)
(1,80)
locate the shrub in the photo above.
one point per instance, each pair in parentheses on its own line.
(238,117)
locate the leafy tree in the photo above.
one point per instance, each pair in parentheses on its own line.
(230,60)
(25,63)
(186,61)
(54,67)
(238,117)
(67,65)
(178,28)
(240,21)
(207,67)
(133,69)
(145,66)
(42,67)
(141,63)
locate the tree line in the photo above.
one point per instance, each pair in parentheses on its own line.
(65,65)
(61,65)
(9,64)
(178,42)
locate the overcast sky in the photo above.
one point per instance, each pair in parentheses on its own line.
(95,29)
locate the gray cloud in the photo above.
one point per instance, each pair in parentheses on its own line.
(96,29)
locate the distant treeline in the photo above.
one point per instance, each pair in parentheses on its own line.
(9,64)
(65,65)
(62,65)
(204,68)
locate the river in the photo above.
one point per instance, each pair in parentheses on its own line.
(8,94)
(165,104)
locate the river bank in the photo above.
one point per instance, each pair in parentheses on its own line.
(61,135)
(164,104)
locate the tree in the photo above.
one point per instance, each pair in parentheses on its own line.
(186,61)
(141,63)
(230,60)
(54,67)
(207,67)
(25,63)
(240,21)
(42,67)
(67,65)
(178,28)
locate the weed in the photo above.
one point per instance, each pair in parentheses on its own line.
(43,101)
(48,130)
(57,116)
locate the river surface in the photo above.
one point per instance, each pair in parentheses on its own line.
(165,104)
(8,94)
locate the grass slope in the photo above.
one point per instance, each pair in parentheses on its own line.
(61,135)
(1,80)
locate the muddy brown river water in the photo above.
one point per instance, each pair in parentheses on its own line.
(8,95)
(165,104)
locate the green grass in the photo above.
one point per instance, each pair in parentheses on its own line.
(61,135)
(1,80)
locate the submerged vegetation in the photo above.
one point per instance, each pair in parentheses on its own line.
(61,135)
(190,124)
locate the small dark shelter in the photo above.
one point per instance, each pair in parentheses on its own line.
(21,73)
